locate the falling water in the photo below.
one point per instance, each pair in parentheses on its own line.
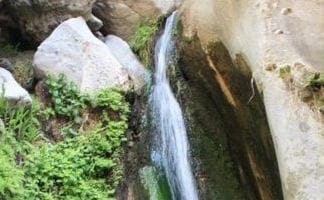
(170,150)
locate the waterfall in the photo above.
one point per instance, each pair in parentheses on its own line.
(170,148)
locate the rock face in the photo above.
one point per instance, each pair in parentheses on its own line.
(13,92)
(120,49)
(7,25)
(259,34)
(121,17)
(227,127)
(6,64)
(74,51)
(37,19)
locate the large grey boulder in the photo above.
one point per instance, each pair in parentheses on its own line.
(12,91)
(74,51)
(123,53)
(38,18)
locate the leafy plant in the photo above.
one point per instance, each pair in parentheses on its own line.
(112,99)
(285,72)
(77,167)
(11,176)
(142,41)
(21,129)
(67,101)
(85,166)
(314,80)
(21,121)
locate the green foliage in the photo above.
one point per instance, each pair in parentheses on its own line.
(112,99)
(285,72)
(11,176)
(85,166)
(66,99)
(21,129)
(314,83)
(314,80)
(21,121)
(142,41)
(75,168)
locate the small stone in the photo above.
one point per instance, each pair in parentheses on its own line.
(131,144)
(306,95)
(321,109)
(299,65)
(286,11)
(94,23)
(278,32)
(271,67)
(6,64)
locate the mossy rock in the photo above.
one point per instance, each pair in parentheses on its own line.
(23,70)
(155,183)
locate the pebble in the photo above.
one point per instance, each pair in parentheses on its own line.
(279,32)
(286,11)
(270,67)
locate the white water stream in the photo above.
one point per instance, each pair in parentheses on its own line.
(170,151)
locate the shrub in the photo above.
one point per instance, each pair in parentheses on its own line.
(11,175)
(78,167)
(142,41)
(21,121)
(21,129)
(112,99)
(86,166)
(66,99)
(314,80)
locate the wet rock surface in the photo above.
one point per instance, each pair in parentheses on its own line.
(226,123)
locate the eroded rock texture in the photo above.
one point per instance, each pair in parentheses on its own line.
(266,35)
(37,19)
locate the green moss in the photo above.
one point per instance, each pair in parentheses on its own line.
(314,84)
(24,73)
(155,183)
(285,72)
(142,41)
